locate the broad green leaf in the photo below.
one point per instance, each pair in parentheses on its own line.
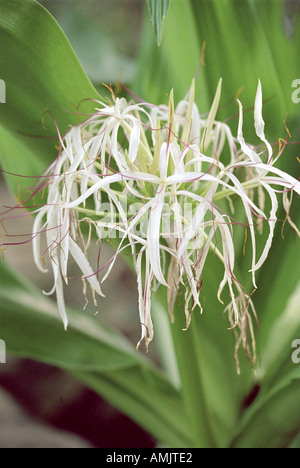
(274,420)
(276,354)
(16,159)
(158,11)
(98,356)
(205,358)
(41,73)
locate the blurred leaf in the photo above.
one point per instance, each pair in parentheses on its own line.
(98,356)
(97,53)
(276,354)
(296,442)
(158,11)
(274,420)
(41,72)
(292,9)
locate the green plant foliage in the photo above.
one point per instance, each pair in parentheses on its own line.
(243,41)
(158,11)
(94,353)
(273,421)
(42,73)
(19,163)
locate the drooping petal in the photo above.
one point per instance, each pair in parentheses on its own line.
(272,223)
(60,300)
(85,267)
(36,240)
(134,141)
(153,235)
(144,295)
(203,207)
(64,244)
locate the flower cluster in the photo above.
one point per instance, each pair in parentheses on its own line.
(161,181)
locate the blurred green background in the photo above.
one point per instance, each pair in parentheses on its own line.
(104,34)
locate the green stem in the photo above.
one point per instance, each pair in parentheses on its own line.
(250,184)
(99,214)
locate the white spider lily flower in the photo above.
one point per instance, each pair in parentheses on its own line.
(263,170)
(156,179)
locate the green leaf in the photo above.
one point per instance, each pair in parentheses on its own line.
(16,159)
(276,354)
(274,420)
(41,72)
(170,66)
(211,388)
(158,10)
(97,50)
(229,29)
(98,356)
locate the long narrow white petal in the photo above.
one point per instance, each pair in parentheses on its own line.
(206,204)
(58,288)
(36,241)
(94,189)
(272,224)
(134,141)
(153,235)
(144,294)
(206,137)
(244,147)
(249,216)
(85,267)
(64,245)
(259,121)
(287,178)
(61,301)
